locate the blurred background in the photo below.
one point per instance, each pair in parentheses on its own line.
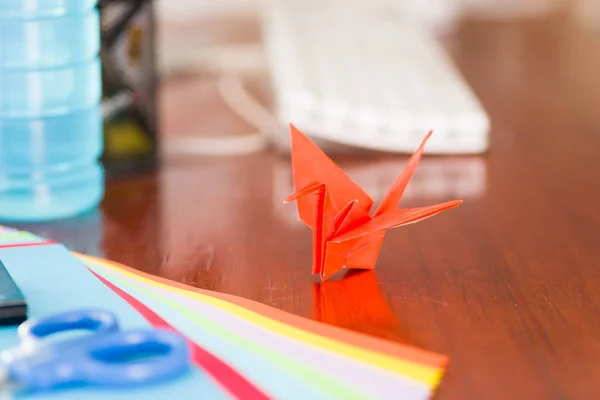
(496,80)
(361,74)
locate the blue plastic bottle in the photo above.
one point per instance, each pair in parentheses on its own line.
(50,109)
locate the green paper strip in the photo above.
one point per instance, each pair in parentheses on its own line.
(11,236)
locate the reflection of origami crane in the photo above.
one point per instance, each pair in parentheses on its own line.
(345,235)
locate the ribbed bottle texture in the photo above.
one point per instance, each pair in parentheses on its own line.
(50,115)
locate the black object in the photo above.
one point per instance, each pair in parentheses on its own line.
(13,307)
(129,84)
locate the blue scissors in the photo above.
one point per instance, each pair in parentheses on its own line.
(107,356)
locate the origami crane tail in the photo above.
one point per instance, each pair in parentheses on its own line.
(396,218)
(392,198)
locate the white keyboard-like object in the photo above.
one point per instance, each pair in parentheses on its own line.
(367,77)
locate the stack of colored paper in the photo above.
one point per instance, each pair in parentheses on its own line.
(241,349)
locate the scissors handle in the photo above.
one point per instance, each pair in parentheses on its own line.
(107,356)
(126,358)
(94,320)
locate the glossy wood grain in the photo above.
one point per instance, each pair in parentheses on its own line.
(508,284)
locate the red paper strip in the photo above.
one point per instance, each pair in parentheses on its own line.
(44,243)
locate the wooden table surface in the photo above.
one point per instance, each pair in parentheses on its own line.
(508,284)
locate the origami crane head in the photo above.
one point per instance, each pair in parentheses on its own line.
(345,233)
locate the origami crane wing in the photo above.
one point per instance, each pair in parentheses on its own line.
(396,218)
(350,217)
(310,164)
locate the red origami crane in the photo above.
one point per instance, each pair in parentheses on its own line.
(345,234)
